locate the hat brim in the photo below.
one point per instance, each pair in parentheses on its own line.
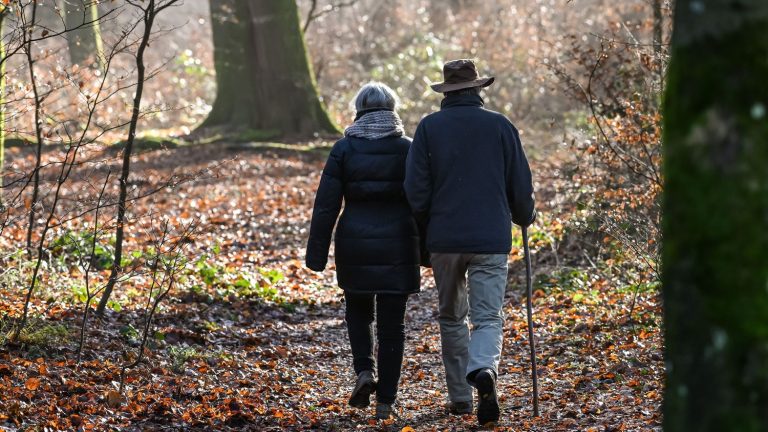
(449,87)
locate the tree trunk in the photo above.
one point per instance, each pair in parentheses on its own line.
(84,40)
(658,39)
(38,102)
(117,267)
(2,105)
(264,79)
(658,27)
(715,274)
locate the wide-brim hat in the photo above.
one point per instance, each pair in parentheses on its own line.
(460,74)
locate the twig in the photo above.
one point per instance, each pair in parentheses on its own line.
(66,169)
(312,15)
(150,12)
(35,178)
(88,294)
(169,276)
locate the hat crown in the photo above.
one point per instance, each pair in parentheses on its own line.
(460,74)
(459,71)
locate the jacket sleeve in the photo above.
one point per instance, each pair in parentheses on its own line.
(328,201)
(418,180)
(518,176)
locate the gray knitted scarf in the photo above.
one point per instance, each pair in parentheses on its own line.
(376,125)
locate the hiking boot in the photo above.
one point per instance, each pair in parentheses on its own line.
(384,411)
(361,394)
(488,403)
(460,408)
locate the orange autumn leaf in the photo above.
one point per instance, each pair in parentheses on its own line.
(32,384)
(114,399)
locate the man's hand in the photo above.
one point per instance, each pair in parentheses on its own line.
(533,218)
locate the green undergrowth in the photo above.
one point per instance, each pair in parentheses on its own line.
(180,355)
(546,231)
(37,337)
(72,247)
(210,281)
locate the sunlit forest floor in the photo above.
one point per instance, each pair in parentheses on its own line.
(251,340)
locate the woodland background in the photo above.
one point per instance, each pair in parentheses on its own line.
(160,162)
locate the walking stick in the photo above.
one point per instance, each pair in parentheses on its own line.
(529,306)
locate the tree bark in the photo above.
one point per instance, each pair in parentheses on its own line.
(264,79)
(2,104)
(715,276)
(84,41)
(658,27)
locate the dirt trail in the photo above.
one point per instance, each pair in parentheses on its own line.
(283,363)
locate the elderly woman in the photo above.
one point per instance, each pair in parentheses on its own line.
(377,241)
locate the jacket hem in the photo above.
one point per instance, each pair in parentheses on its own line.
(470,250)
(353,291)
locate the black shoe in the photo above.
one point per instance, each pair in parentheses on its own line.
(460,408)
(385,411)
(361,394)
(488,404)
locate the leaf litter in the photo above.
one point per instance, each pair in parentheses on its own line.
(262,344)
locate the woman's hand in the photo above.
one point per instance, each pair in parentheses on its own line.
(315,266)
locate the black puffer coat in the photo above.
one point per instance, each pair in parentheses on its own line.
(377,240)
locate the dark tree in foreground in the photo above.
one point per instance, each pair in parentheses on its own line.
(84,40)
(715,273)
(264,79)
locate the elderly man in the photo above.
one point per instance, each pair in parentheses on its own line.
(467,179)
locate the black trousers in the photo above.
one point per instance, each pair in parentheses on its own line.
(388,310)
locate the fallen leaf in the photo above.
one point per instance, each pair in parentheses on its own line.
(32,384)
(114,399)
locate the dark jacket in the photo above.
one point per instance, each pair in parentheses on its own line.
(467,178)
(377,242)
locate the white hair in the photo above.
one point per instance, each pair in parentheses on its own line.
(375,95)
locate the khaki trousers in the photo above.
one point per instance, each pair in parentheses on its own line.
(470,289)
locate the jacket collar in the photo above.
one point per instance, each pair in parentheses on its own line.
(462,100)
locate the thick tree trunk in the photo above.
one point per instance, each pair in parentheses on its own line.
(265,82)
(85,44)
(715,274)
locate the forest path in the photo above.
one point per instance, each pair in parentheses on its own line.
(304,352)
(275,356)
(584,383)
